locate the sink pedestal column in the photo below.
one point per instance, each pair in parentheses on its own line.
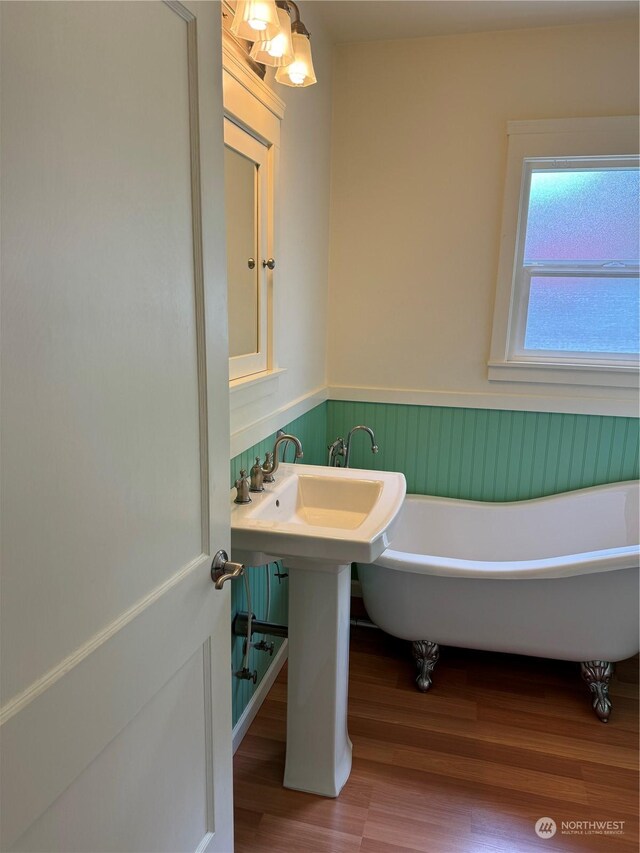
(318,746)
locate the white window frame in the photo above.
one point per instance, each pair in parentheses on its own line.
(553,144)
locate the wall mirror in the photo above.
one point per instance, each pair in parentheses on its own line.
(245,172)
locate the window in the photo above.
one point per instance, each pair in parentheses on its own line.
(569,273)
(578,274)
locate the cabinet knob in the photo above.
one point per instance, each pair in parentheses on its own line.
(270,263)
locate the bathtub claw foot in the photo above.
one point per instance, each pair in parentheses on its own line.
(426,655)
(597,674)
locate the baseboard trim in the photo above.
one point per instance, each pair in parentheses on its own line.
(253,706)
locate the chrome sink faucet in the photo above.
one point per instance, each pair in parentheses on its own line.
(272,462)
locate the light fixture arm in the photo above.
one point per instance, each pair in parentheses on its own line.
(296,24)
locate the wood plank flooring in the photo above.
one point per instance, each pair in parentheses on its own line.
(469,767)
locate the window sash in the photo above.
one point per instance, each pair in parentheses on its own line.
(559,166)
(517,349)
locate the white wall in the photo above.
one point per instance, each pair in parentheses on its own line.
(419,156)
(304,221)
(301,274)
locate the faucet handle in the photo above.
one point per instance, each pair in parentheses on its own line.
(257,477)
(242,489)
(267,468)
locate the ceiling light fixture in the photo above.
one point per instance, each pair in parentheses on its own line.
(286,48)
(277,51)
(255,18)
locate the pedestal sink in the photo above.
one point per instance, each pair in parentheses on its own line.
(318,521)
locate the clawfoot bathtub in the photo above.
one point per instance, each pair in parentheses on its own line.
(552,577)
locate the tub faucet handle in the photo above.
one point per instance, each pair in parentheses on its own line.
(267,468)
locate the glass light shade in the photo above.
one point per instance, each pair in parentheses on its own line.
(255,19)
(279,50)
(300,72)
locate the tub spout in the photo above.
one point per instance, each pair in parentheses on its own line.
(370,433)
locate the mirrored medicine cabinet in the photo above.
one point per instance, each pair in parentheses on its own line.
(245,178)
(253,113)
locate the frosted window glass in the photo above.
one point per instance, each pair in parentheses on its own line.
(587,214)
(583,314)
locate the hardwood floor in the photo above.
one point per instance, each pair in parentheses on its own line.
(499,742)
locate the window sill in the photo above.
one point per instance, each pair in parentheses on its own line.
(608,376)
(250,389)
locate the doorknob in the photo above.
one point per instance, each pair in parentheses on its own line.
(222,569)
(270,263)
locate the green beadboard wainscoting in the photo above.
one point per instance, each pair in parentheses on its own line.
(311,429)
(489,454)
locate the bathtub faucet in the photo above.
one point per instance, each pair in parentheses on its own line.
(374,446)
(336,449)
(340,447)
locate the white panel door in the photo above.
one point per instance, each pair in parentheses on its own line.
(115,703)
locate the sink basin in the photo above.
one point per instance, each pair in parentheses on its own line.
(331,514)
(322,501)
